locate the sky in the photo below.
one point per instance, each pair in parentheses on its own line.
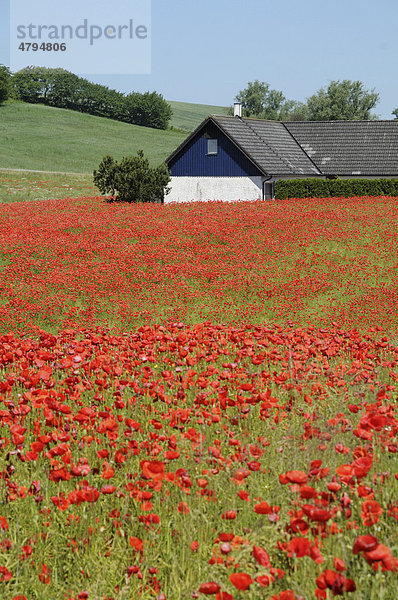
(207,51)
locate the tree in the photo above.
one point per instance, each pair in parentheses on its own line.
(259,101)
(294,111)
(149,109)
(132,180)
(5,82)
(342,100)
(31,84)
(395,113)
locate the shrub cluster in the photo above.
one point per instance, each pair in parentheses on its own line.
(5,78)
(63,89)
(132,179)
(332,188)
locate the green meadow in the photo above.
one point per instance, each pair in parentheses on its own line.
(37,137)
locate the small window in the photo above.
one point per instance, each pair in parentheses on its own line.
(211,146)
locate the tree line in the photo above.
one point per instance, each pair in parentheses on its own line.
(340,100)
(63,89)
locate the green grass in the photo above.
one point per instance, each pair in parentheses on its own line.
(188,116)
(33,136)
(24,186)
(37,137)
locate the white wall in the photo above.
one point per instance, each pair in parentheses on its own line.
(188,189)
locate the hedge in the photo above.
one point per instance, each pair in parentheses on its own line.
(329,188)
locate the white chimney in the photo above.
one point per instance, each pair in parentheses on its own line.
(237,109)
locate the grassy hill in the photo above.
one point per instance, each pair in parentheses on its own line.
(33,136)
(38,137)
(187,116)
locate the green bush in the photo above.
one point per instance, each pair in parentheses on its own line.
(149,109)
(326,188)
(5,79)
(132,180)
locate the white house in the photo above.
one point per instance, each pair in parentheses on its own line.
(232,158)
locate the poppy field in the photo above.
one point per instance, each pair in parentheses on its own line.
(199,400)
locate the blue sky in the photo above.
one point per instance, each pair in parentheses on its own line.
(206,51)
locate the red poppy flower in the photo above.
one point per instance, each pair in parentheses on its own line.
(364,543)
(254,465)
(229,515)
(224,596)
(171,454)
(136,543)
(299,526)
(261,556)
(378,422)
(263,508)
(336,582)
(44,575)
(316,555)
(365,491)
(379,552)
(314,513)
(243,495)
(149,519)
(183,508)
(307,492)
(242,581)
(61,474)
(361,466)
(226,537)
(339,564)
(26,552)
(298,546)
(371,512)
(209,588)
(345,473)
(60,502)
(153,469)
(5,574)
(285,595)
(265,580)
(89,495)
(108,471)
(108,489)
(293,477)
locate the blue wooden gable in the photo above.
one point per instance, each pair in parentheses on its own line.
(193,159)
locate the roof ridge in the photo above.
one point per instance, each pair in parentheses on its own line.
(344,121)
(286,162)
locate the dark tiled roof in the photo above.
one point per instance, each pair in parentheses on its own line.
(349,147)
(269,144)
(310,148)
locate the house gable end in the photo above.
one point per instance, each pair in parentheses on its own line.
(193,160)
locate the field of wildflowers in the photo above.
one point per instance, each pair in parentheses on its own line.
(199,400)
